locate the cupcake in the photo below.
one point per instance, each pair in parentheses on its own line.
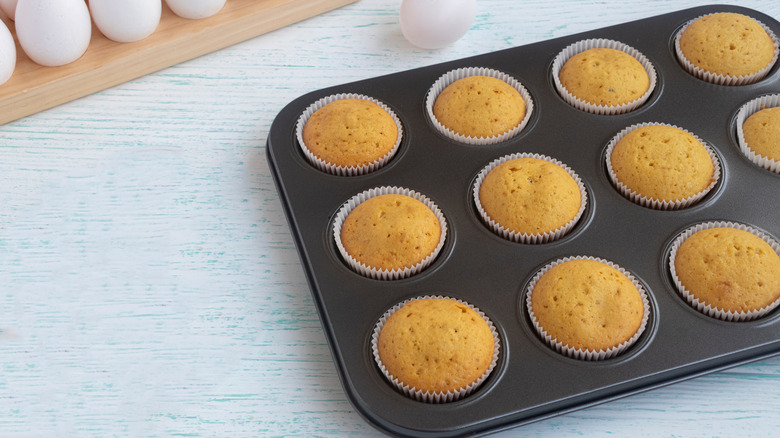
(661,166)
(529,198)
(726,270)
(726,48)
(348,134)
(478,106)
(603,76)
(435,349)
(389,232)
(587,308)
(758,128)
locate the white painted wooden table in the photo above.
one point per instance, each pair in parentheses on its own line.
(149,285)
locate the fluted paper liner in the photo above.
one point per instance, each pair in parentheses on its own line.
(586,354)
(523,237)
(716,78)
(601,43)
(436,396)
(660,204)
(701,306)
(344,170)
(454,75)
(386,274)
(747,110)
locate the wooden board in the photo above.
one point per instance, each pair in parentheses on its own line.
(106,63)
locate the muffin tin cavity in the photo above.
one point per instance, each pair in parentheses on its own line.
(438,347)
(395,233)
(594,290)
(481,264)
(347,169)
(747,110)
(450,77)
(536,201)
(742,37)
(582,102)
(737,250)
(659,163)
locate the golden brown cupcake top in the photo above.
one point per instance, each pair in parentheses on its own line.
(587,304)
(728,44)
(762,132)
(350,132)
(436,345)
(390,232)
(663,163)
(606,77)
(728,268)
(479,106)
(530,195)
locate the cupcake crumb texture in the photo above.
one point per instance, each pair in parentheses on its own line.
(762,133)
(587,304)
(390,232)
(727,44)
(436,345)
(730,269)
(530,196)
(663,163)
(604,76)
(479,107)
(350,132)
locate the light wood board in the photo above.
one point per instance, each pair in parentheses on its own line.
(106,63)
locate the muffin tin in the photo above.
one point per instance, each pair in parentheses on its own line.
(532,381)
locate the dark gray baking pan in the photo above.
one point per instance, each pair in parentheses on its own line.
(531,381)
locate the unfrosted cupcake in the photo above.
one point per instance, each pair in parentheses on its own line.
(603,76)
(661,166)
(758,131)
(348,134)
(726,48)
(762,132)
(389,232)
(478,106)
(587,308)
(529,198)
(727,270)
(435,349)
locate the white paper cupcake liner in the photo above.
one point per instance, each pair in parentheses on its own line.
(385,274)
(701,306)
(718,78)
(436,396)
(344,170)
(600,43)
(454,75)
(508,234)
(747,110)
(586,354)
(659,204)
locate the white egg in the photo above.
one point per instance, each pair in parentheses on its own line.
(53,32)
(433,24)
(9,7)
(195,9)
(7,54)
(126,21)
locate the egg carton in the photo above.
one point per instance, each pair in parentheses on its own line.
(532,381)
(33,88)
